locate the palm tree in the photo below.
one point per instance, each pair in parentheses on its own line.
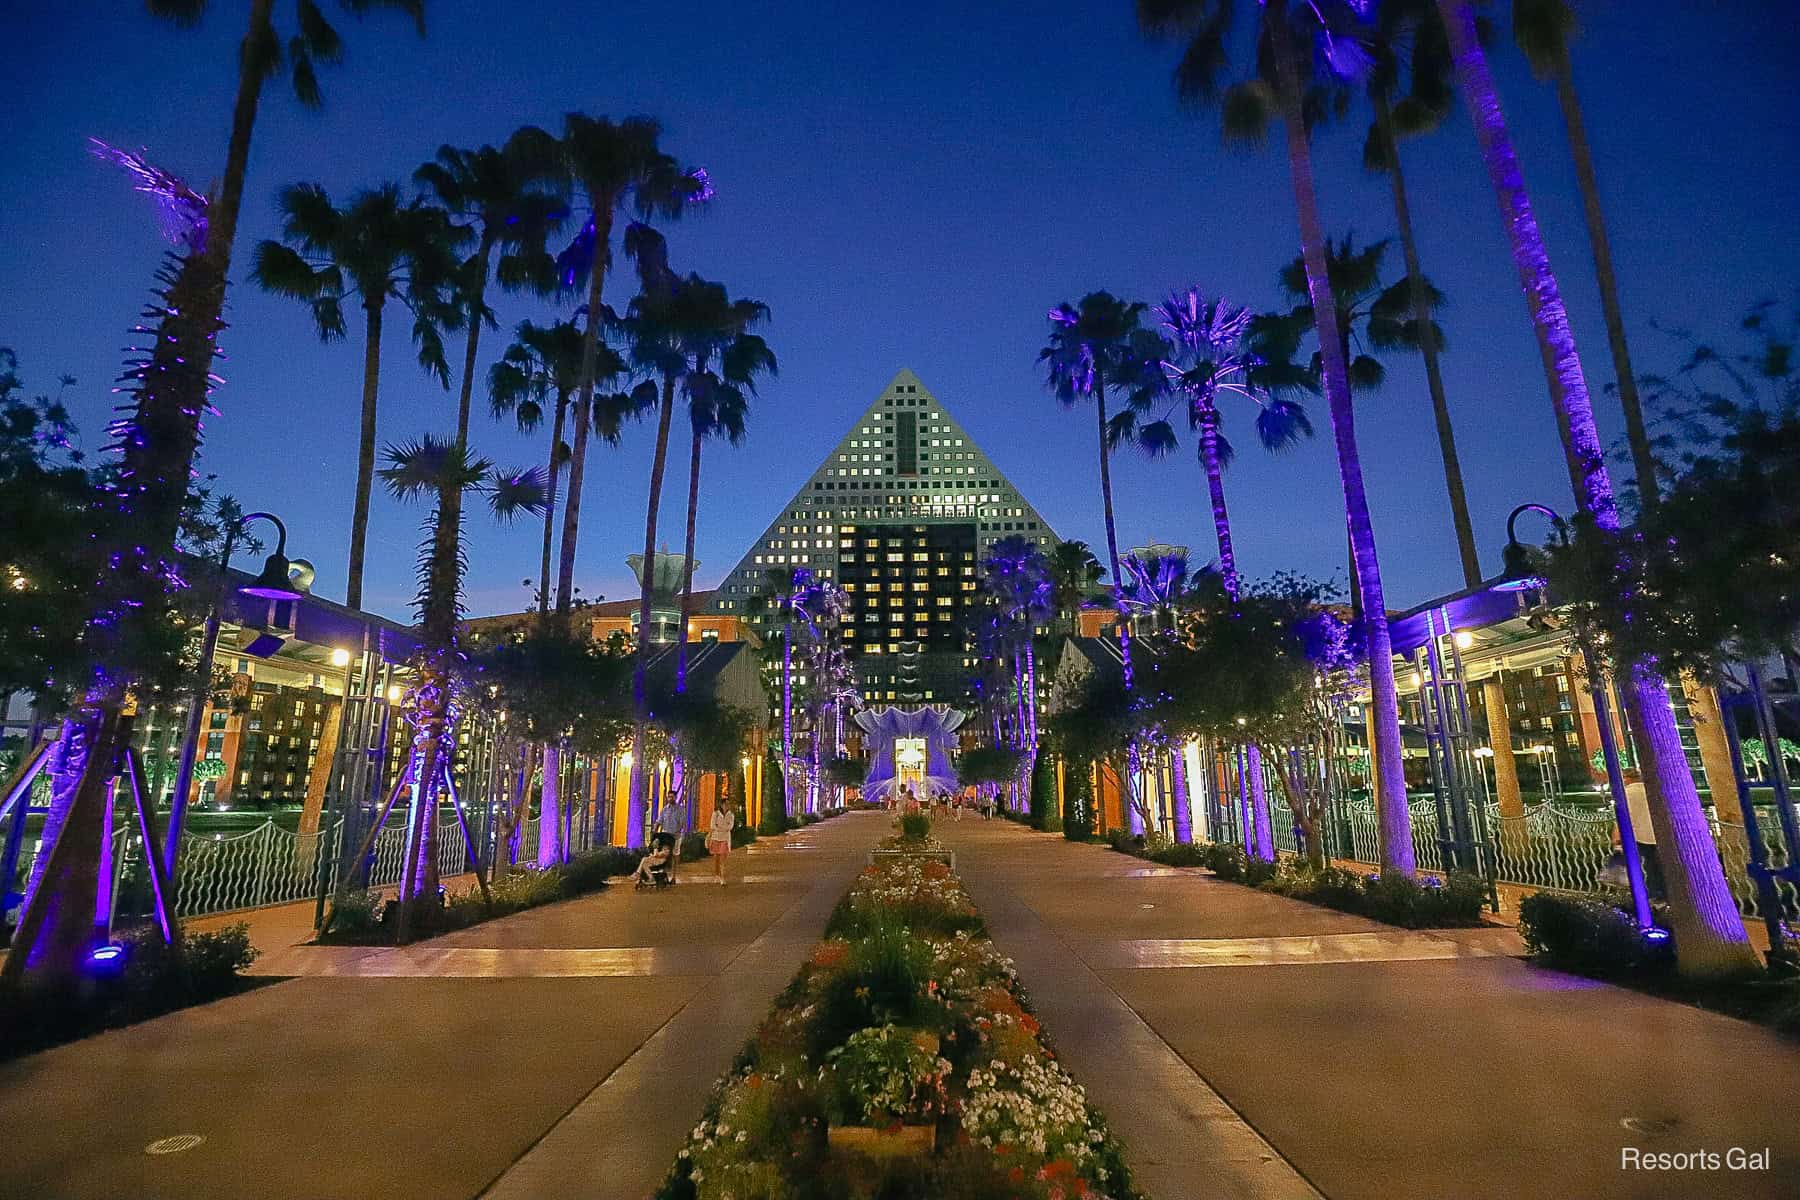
(609,164)
(441,468)
(1293,41)
(1016,575)
(1409,45)
(1074,571)
(504,196)
(1708,928)
(1094,344)
(260,57)
(1543,29)
(717,403)
(541,368)
(376,248)
(1211,356)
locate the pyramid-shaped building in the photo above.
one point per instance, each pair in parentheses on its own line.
(898,515)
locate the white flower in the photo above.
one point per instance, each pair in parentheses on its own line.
(697,1175)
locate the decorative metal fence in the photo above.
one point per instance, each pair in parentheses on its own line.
(1554,847)
(271,865)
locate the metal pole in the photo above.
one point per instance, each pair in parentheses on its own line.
(1615,778)
(1768,899)
(190,737)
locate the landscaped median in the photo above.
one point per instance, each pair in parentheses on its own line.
(901,1062)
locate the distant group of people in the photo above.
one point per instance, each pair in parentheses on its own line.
(671,825)
(944,804)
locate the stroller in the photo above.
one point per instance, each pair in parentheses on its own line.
(658,868)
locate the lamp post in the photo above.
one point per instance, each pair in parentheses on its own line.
(1518,577)
(272,584)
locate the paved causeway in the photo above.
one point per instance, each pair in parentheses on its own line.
(1367,1062)
(1243,1045)
(563,1052)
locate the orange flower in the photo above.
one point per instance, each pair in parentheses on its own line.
(830,954)
(1016,1175)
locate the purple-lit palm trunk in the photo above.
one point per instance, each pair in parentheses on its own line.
(1215,489)
(1389,773)
(1260,841)
(787,710)
(550,813)
(1708,929)
(1184,812)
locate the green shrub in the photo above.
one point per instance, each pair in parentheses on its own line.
(589,872)
(525,889)
(1424,903)
(153,980)
(1257,871)
(1226,861)
(742,835)
(1180,854)
(693,847)
(1588,935)
(1078,803)
(882,981)
(1125,842)
(915,826)
(354,914)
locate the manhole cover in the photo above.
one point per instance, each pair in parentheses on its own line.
(1653,1126)
(174,1145)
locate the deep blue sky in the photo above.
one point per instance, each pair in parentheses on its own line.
(905,185)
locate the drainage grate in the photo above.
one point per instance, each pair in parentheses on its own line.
(174,1145)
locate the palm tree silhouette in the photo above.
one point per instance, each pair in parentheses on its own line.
(1302,49)
(441,469)
(608,165)
(375,248)
(1708,927)
(542,368)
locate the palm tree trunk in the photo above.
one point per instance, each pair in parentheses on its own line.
(787,708)
(1112,535)
(1428,349)
(1389,773)
(687,565)
(590,350)
(1215,487)
(1636,436)
(565,570)
(1493,695)
(471,345)
(639,686)
(365,457)
(556,432)
(550,812)
(1708,929)
(222,214)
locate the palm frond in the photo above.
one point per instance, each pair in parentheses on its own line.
(513,492)
(428,465)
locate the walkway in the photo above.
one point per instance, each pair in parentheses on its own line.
(1368,1062)
(564,1051)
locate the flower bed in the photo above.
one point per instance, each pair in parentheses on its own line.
(902,1061)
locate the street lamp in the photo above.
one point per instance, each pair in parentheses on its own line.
(274,583)
(1518,577)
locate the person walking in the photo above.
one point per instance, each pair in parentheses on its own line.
(718,838)
(672,820)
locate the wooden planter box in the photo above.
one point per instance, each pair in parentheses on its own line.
(905,1141)
(947,857)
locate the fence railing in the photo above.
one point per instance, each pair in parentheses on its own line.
(1552,846)
(270,865)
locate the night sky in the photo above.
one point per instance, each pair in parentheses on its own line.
(905,185)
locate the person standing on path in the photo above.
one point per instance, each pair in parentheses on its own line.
(672,820)
(718,838)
